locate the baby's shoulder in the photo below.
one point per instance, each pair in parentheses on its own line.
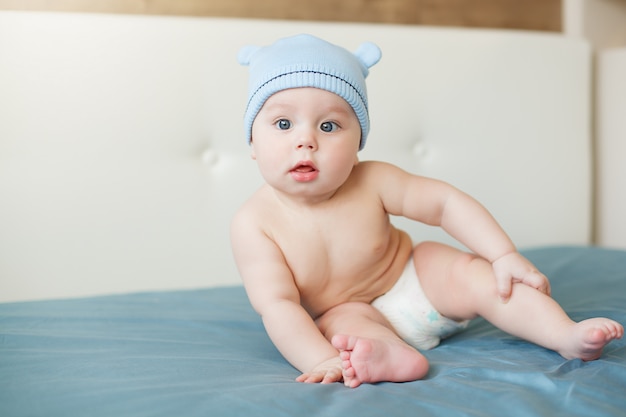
(251,211)
(376,170)
(376,165)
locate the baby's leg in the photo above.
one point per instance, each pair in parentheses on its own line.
(462,286)
(369,349)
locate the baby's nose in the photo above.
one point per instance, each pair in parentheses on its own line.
(306,140)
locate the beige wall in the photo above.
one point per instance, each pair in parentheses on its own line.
(542,15)
(602,22)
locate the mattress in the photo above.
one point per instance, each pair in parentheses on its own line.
(205,353)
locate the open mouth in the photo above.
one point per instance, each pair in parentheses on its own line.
(304,171)
(304,168)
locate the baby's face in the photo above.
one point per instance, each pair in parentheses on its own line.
(305,141)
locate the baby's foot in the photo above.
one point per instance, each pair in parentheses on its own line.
(373,360)
(588,337)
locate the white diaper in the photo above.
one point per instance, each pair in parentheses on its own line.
(411,314)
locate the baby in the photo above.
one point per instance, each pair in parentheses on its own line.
(343,294)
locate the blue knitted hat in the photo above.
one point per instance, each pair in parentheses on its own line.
(307,61)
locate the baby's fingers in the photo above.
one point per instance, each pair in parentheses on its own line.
(504,286)
(538,281)
(311,377)
(334,375)
(306,377)
(324,377)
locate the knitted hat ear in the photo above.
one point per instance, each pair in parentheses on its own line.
(368,53)
(245,54)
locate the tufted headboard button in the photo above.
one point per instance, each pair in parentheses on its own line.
(210,157)
(420,149)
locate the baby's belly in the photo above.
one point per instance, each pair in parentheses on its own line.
(361,285)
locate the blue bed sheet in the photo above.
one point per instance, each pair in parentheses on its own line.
(205,353)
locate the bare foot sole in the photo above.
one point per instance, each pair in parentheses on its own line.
(371,360)
(589,338)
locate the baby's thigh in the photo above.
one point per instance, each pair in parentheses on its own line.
(350,318)
(455,282)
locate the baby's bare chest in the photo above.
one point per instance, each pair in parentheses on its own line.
(339,259)
(334,243)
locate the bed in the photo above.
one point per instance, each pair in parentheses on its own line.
(204,352)
(122,159)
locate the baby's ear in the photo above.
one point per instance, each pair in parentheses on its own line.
(245,54)
(368,53)
(252,151)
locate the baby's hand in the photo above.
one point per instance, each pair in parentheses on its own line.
(326,372)
(512,268)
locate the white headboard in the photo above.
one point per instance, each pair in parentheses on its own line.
(122,155)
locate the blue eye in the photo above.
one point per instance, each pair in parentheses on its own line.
(329,127)
(283,124)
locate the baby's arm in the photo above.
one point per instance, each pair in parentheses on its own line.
(273,294)
(468,221)
(439,204)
